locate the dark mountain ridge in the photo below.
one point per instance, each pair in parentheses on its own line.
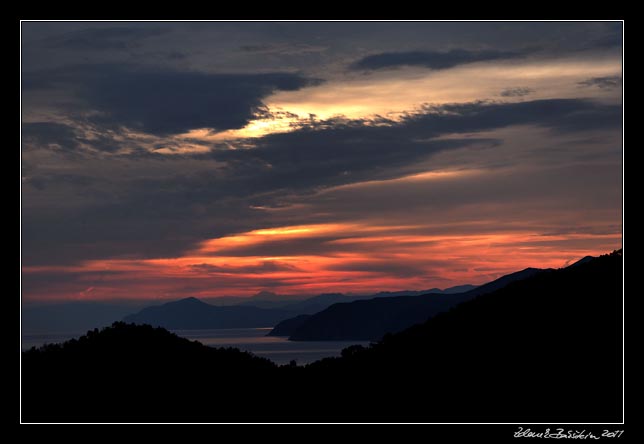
(192,313)
(543,349)
(547,348)
(288,326)
(373,318)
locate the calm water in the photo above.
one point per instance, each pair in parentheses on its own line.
(278,349)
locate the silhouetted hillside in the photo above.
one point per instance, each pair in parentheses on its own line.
(371,319)
(319,302)
(323,301)
(136,372)
(310,305)
(583,260)
(288,327)
(191,313)
(542,349)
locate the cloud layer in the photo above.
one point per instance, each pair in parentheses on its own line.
(165,102)
(253,159)
(431,59)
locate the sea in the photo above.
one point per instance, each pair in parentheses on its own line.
(278,349)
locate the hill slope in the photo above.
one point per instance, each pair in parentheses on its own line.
(318,303)
(137,373)
(542,349)
(289,326)
(371,319)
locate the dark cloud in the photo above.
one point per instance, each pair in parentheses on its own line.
(516,193)
(42,181)
(175,55)
(381,267)
(263,267)
(164,215)
(313,245)
(611,38)
(430,59)
(97,39)
(517,92)
(91,189)
(316,158)
(43,280)
(256,48)
(557,114)
(166,102)
(283,48)
(70,139)
(335,153)
(345,152)
(609,82)
(49,135)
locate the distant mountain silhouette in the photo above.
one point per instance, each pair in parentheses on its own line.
(191,313)
(373,318)
(264,309)
(583,260)
(320,302)
(289,326)
(307,305)
(450,290)
(542,349)
(269,299)
(455,289)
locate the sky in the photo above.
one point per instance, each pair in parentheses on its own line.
(163,160)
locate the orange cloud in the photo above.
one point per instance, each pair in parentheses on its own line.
(358,258)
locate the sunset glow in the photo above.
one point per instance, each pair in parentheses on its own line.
(357,259)
(234,158)
(283,221)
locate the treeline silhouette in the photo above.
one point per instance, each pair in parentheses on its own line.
(544,349)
